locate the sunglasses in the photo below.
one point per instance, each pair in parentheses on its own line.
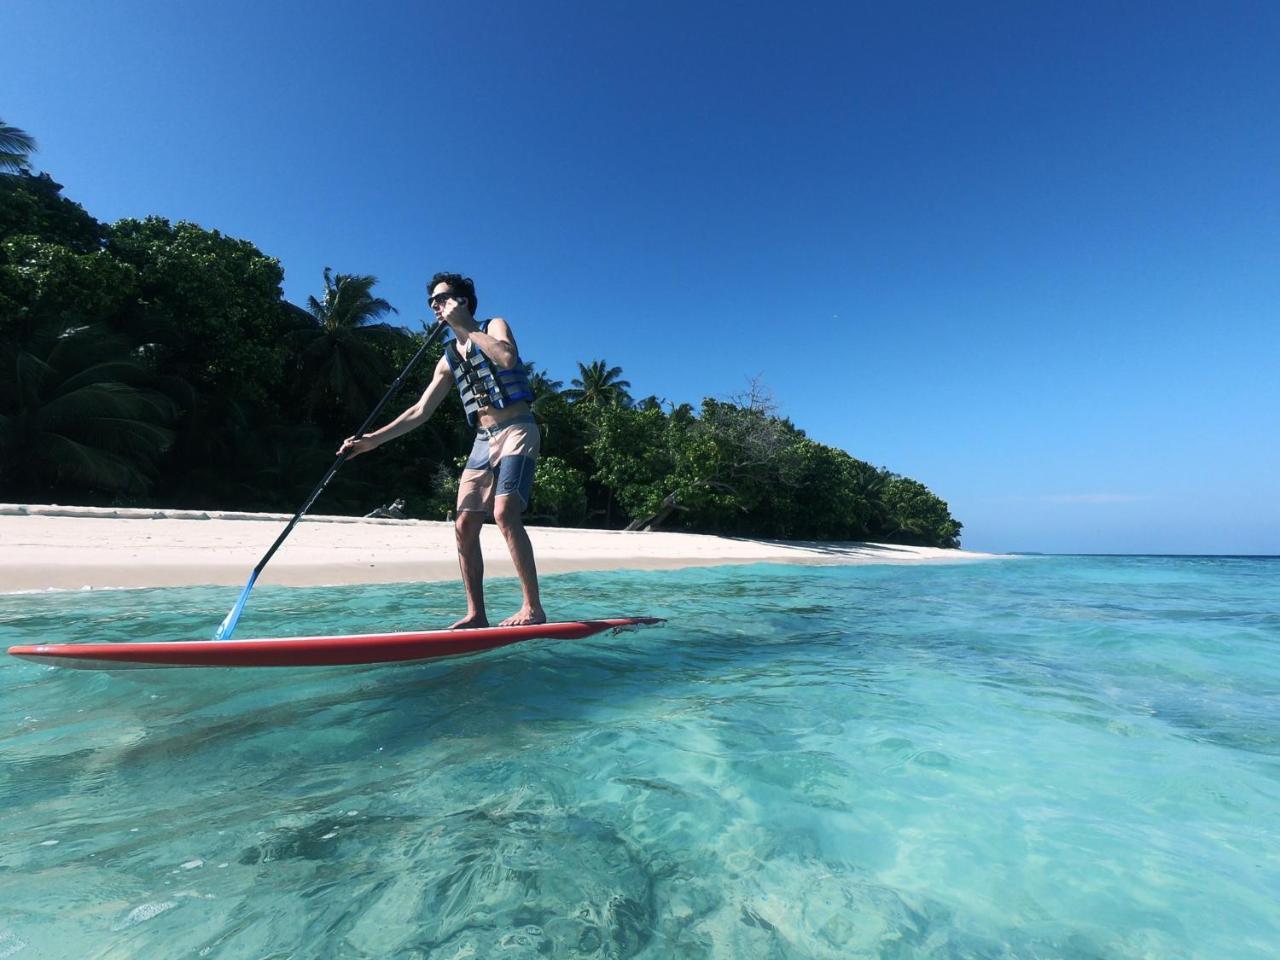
(440,298)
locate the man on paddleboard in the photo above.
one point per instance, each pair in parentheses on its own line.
(482,361)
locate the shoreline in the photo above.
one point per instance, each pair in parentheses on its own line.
(51,547)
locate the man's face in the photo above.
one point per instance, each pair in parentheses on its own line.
(441,293)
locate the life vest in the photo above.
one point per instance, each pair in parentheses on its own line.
(482,383)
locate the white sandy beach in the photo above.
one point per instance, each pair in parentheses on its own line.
(70,548)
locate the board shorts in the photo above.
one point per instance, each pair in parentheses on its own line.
(501,464)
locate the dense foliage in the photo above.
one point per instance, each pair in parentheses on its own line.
(154,363)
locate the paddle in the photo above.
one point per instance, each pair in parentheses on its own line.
(229,624)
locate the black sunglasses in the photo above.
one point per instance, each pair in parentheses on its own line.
(441,298)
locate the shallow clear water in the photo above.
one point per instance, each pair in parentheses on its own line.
(1034,758)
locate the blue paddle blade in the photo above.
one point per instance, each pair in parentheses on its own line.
(228,626)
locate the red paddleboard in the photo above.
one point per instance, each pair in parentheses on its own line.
(311,651)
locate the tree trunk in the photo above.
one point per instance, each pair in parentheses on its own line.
(669,506)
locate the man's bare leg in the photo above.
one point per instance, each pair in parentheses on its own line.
(511,523)
(471,562)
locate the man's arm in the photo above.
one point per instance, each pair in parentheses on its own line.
(498,344)
(411,419)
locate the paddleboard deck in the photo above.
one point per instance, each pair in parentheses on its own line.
(312,651)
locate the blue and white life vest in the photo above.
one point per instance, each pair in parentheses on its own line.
(481,382)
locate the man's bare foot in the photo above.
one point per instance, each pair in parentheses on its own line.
(472,621)
(525,616)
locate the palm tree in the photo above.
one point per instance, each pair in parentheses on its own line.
(547,397)
(16,146)
(345,352)
(544,388)
(75,415)
(598,385)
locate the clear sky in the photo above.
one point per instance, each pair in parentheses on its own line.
(1026,253)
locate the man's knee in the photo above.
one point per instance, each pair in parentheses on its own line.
(467,525)
(507,513)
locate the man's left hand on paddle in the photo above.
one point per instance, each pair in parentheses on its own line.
(354,446)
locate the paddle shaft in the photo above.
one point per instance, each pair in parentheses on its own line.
(342,457)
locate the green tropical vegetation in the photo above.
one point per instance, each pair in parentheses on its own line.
(152,363)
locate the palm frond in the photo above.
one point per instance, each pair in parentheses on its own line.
(63,458)
(348,301)
(16,147)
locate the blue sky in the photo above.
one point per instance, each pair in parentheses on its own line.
(1023,253)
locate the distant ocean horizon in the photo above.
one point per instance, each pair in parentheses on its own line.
(1052,756)
(1171,556)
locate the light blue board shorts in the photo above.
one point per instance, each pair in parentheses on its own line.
(501,464)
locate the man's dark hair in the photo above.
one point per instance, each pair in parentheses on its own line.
(463,286)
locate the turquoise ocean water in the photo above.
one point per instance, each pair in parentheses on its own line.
(1028,758)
